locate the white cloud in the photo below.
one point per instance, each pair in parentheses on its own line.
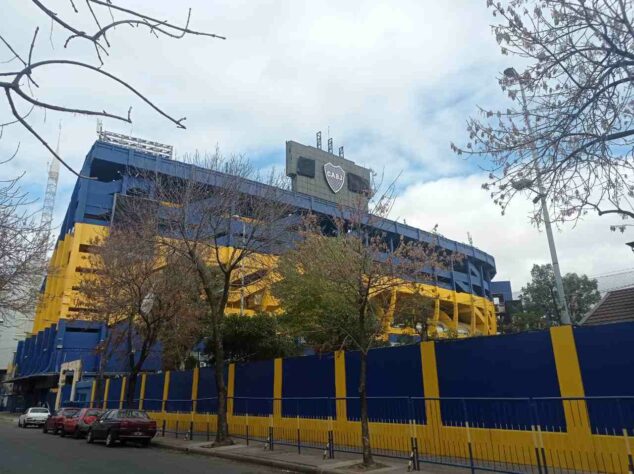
(371,71)
(394,81)
(459,205)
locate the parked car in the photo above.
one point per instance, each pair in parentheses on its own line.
(78,424)
(56,420)
(35,416)
(122,425)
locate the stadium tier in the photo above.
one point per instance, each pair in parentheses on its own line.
(322,183)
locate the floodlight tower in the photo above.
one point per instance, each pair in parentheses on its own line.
(51,191)
(46,220)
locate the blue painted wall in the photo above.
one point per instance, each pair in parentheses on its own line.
(307,384)
(511,366)
(255,381)
(152,400)
(392,372)
(114,393)
(606,359)
(207,402)
(180,392)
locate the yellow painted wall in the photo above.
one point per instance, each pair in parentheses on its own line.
(472,314)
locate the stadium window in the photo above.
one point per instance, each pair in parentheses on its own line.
(85,248)
(306,167)
(86,270)
(358,184)
(78,309)
(137,192)
(105,216)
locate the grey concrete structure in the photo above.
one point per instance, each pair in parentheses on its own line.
(327,176)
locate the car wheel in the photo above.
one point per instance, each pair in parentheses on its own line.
(19,423)
(90,438)
(145,443)
(62,433)
(44,429)
(110,439)
(56,431)
(76,433)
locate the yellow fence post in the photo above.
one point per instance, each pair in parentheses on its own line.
(166,390)
(431,387)
(277,389)
(340,386)
(571,386)
(231,387)
(122,394)
(195,377)
(142,391)
(106,390)
(92,393)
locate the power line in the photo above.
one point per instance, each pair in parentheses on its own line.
(606,290)
(615,272)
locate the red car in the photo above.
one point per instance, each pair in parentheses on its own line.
(122,425)
(56,420)
(78,424)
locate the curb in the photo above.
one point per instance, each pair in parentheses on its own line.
(276,463)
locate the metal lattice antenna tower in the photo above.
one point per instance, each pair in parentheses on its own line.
(51,189)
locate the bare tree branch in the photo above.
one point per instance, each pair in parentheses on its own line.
(102,46)
(578,136)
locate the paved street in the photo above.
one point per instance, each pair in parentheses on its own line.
(30,451)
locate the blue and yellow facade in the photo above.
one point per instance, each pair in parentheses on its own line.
(461,295)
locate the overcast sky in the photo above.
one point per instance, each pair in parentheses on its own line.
(394,85)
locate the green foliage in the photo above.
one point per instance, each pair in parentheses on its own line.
(321,308)
(527,321)
(540,295)
(254,338)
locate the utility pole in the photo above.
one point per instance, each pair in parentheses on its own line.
(511,73)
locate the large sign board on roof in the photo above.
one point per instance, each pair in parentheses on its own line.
(327,176)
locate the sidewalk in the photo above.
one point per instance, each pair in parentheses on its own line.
(286,458)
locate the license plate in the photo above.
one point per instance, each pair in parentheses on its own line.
(137,433)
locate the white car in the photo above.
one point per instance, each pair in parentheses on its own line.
(35,416)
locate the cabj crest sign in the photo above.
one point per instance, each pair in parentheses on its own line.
(335,176)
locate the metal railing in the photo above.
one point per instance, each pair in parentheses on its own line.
(513,435)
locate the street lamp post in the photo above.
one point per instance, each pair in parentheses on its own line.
(511,73)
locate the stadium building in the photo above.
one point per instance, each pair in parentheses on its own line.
(322,183)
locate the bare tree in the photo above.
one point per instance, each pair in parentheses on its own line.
(339,286)
(227,221)
(574,131)
(138,290)
(20,70)
(23,247)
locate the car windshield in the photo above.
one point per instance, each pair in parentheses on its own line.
(132,414)
(94,413)
(39,410)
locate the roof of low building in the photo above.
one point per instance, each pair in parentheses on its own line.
(616,307)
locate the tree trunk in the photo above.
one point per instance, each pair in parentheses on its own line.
(222,429)
(131,367)
(102,366)
(130,389)
(363,401)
